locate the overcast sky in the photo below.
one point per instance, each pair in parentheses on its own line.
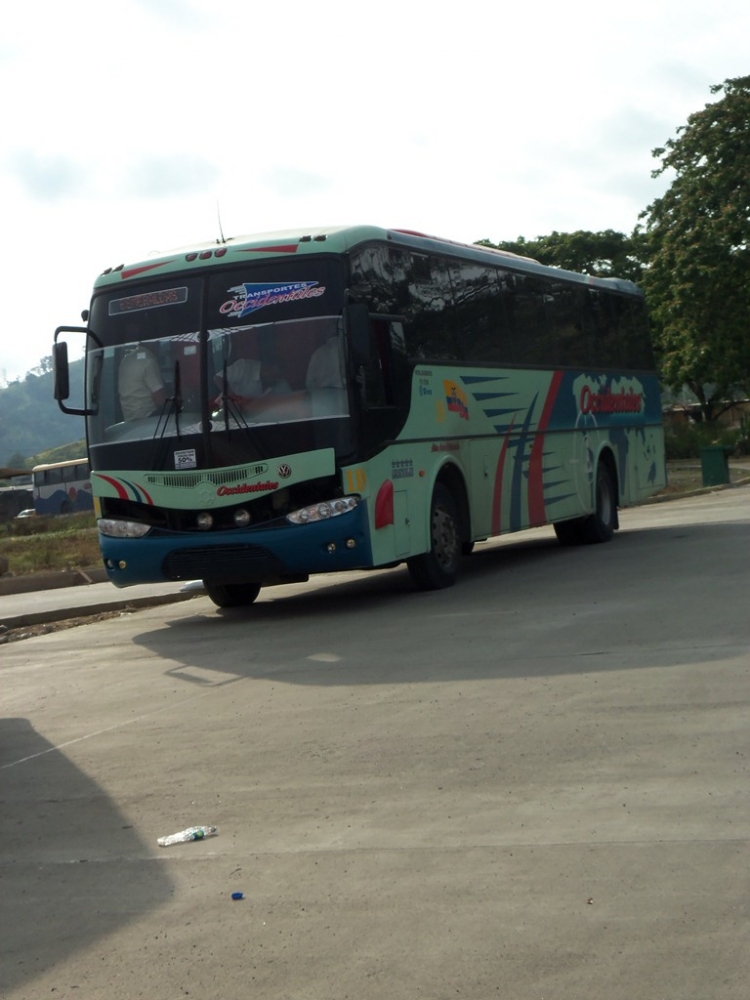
(123,125)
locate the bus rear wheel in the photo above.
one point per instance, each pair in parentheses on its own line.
(438,568)
(231,595)
(600,526)
(570,532)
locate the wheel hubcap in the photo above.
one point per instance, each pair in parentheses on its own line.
(444,538)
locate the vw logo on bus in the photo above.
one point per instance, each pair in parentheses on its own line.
(284,471)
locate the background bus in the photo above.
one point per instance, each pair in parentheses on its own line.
(270,407)
(62,487)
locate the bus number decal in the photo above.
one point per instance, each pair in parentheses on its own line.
(402,469)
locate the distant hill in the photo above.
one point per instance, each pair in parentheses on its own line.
(32,423)
(64,453)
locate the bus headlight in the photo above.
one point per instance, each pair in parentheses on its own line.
(204,521)
(122,529)
(241,517)
(323,511)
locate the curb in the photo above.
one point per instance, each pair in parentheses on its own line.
(101,607)
(51,581)
(663,498)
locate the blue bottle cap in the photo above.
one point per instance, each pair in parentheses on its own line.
(238,895)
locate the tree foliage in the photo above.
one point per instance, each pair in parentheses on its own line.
(698,242)
(605,254)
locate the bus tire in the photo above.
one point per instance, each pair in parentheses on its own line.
(231,595)
(438,568)
(600,526)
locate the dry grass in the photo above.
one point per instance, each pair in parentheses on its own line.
(49,544)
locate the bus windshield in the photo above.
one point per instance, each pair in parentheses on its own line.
(217,354)
(268,373)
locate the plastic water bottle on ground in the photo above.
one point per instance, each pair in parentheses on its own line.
(192,833)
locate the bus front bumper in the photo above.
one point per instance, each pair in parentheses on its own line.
(258,555)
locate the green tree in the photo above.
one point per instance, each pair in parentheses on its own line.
(18,461)
(697,236)
(606,254)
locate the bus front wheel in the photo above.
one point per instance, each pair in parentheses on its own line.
(231,595)
(438,568)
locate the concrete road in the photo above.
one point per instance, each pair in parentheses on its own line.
(534,785)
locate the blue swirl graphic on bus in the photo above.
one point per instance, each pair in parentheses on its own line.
(253,295)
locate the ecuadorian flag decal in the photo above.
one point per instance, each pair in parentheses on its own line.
(455,399)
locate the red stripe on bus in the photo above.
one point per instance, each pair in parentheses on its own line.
(121,491)
(283,248)
(132,271)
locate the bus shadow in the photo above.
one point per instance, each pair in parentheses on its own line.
(523,606)
(68,872)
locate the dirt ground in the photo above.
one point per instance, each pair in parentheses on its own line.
(30,631)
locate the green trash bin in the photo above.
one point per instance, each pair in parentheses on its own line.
(715,465)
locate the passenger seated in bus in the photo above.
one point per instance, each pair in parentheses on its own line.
(249,380)
(325,380)
(324,370)
(139,384)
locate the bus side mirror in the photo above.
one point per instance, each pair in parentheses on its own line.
(62,372)
(357,317)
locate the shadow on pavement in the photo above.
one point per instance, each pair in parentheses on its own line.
(637,602)
(72,869)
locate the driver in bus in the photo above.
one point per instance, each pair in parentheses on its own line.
(324,370)
(139,383)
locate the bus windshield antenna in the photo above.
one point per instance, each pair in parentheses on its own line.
(221,231)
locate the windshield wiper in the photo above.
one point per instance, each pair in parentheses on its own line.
(171,406)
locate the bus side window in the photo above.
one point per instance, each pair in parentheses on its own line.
(571,331)
(483,333)
(634,333)
(532,333)
(601,319)
(386,377)
(376,372)
(430,314)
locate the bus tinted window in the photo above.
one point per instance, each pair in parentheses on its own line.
(370,281)
(483,333)
(600,318)
(533,336)
(634,333)
(570,343)
(430,329)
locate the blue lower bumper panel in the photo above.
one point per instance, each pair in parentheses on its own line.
(241,555)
